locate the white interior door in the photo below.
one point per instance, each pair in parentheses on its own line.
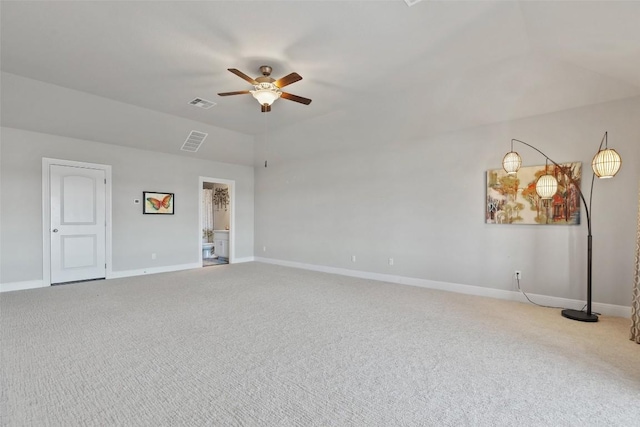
(78,223)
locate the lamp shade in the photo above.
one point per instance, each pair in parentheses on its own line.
(547,186)
(266,96)
(606,163)
(511,162)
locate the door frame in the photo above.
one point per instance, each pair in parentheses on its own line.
(232,214)
(46,213)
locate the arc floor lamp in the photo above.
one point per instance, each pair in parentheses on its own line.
(605,164)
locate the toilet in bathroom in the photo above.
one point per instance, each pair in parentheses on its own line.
(207,250)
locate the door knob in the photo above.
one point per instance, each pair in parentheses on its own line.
(55,230)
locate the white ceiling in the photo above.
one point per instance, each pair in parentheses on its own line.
(441,65)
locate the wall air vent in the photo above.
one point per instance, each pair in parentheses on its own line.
(411,2)
(194,141)
(202,103)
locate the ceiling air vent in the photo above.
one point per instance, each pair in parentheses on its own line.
(411,2)
(202,103)
(194,141)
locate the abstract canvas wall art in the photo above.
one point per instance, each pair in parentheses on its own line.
(512,199)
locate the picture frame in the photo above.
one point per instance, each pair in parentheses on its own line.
(158,203)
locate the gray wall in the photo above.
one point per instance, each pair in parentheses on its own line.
(349,184)
(175,239)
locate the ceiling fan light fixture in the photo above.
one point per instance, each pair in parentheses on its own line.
(266,93)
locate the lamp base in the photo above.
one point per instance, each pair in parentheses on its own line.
(581,316)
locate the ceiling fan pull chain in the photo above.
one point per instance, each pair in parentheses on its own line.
(266,132)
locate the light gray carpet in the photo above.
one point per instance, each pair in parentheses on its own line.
(260,345)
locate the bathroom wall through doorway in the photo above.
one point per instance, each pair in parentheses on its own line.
(230,209)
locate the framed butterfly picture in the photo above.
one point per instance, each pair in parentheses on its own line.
(157,203)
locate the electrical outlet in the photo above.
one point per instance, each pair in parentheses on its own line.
(517,275)
(390,261)
(353,258)
(264,249)
(153,256)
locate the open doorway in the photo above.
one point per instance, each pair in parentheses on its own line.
(217,234)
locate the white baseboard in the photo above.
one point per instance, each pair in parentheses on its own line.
(31,284)
(152,270)
(19,286)
(607,309)
(245,259)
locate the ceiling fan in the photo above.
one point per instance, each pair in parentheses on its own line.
(267,89)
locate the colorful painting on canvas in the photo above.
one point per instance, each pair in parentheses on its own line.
(512,199)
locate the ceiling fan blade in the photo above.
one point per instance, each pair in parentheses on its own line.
(287,80)
(243,76)
(265,108)
(296,98)
(239,92)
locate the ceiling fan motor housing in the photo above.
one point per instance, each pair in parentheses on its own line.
(266,70)
(266,75)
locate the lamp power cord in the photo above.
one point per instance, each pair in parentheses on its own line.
(542,305)
(529,299)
